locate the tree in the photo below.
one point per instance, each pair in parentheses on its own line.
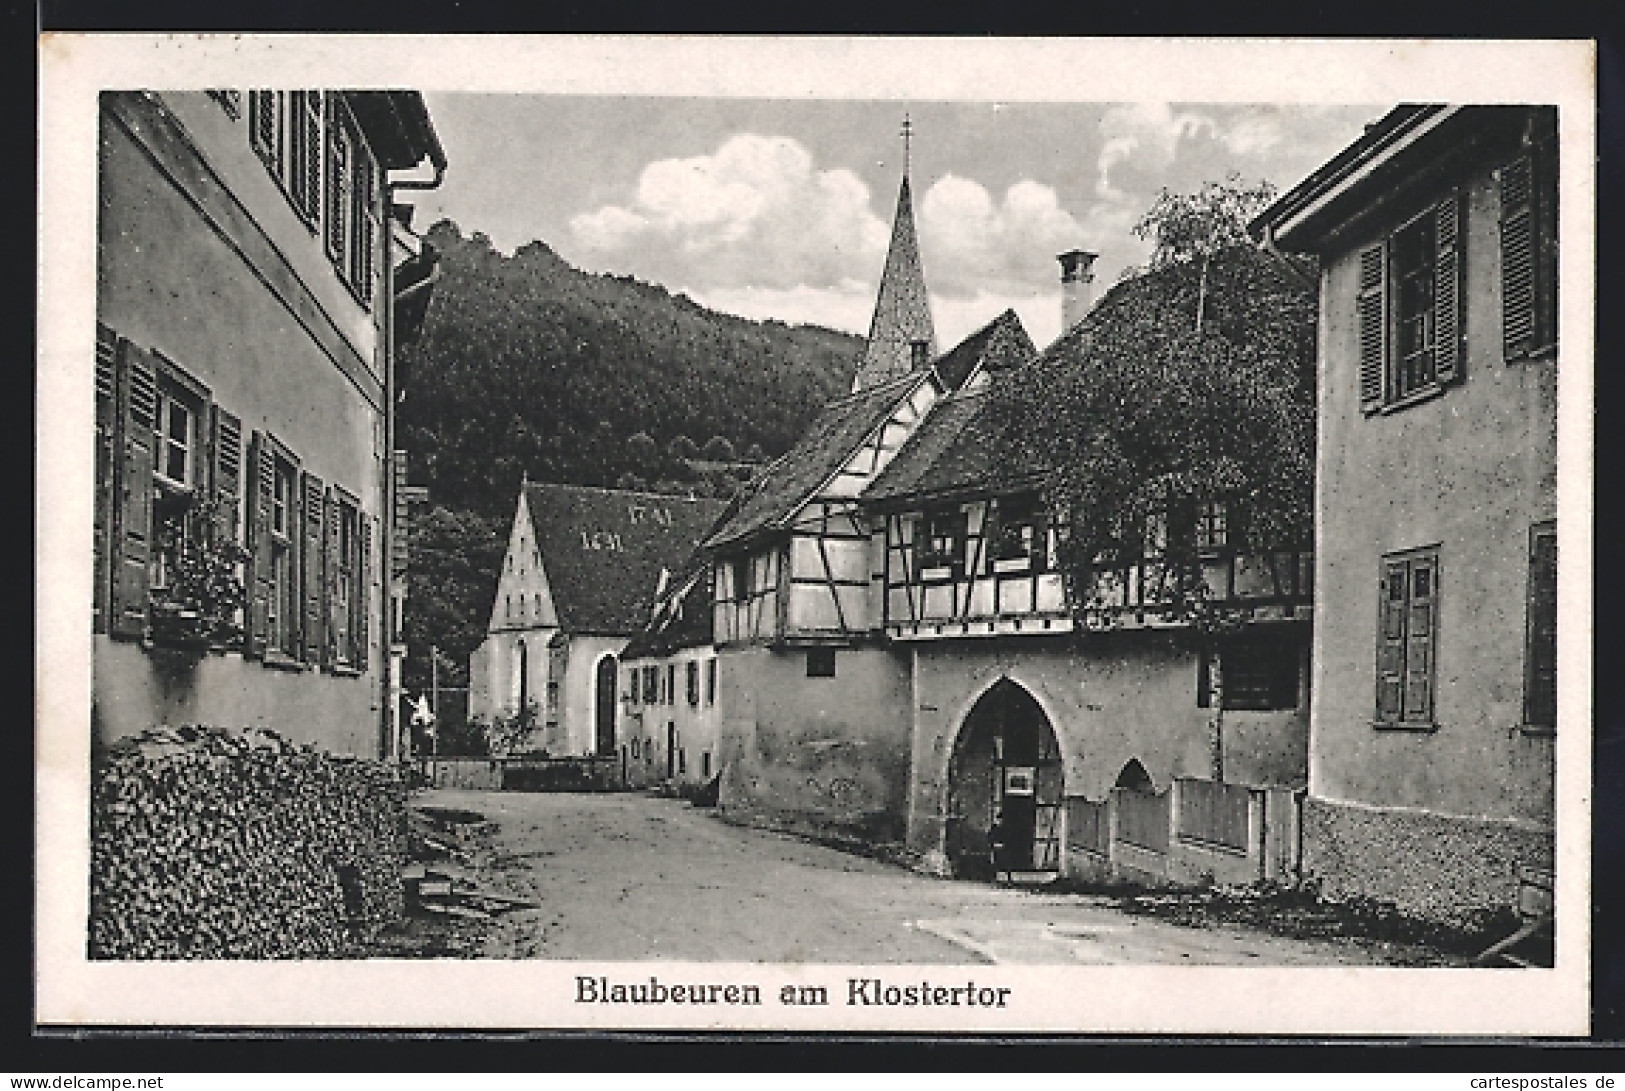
(718,449)
(754,453)
(681,449)
(453,561)
(1193,227)
(641,449)
(1142,414)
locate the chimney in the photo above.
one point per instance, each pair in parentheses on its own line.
(1077,286)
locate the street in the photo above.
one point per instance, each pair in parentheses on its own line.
(633,877)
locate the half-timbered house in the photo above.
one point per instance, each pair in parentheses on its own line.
(1431,764)
(577,582)
(244,379)
(1048,738)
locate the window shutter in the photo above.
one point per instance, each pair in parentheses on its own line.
(1204,687)
(1372,320)
(138,407)
(1447,289)
(1540,690)
(227,430)
(1391,639)
(1422,616)
(362,596)
(338,626)
(1546,241)
(365,226)
(338,186)
(308,165)
(262,124)
(312,576)
(262,482)
(106,451)
(1517,257)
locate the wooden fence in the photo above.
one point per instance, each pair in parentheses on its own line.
(1214,813)
(1142,819)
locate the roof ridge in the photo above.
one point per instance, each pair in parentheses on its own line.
(618,492)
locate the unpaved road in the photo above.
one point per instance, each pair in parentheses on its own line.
(632,877)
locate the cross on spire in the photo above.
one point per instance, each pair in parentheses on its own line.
(908,136)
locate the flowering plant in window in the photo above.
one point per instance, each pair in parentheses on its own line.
(198,597)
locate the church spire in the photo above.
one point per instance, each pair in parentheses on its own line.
(901,338)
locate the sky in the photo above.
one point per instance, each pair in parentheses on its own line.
(782,208)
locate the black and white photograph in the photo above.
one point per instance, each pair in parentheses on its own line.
(801,534)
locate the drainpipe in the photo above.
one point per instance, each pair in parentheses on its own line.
(392,725)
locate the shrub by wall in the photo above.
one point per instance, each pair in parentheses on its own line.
(208,843)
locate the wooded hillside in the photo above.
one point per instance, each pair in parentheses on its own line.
(527,365)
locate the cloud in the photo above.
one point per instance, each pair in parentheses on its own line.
(974,244)
(1139,140)
(1252,135)
(755,213)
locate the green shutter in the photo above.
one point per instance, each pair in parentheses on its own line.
(137,416)
(1517,258)
(262,483)
(1392,597)
(106,455)
(1371,320)
(1447,290)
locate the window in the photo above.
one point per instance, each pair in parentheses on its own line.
(1212,525)
(1408,309)
(632,685)
(682,759)
(941,544)
(671,683)
(1258,673)
(705,764)
(1540,656)
(1528,198)
(650,684)
(820,662)
(739,574)
(178,476)
(1018,539)
(1406,669)
(693,683)
(711,681)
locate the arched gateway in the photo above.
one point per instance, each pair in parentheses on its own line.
(1005,786)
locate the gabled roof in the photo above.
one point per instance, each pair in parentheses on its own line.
(788,482)
(603,549)
(902,311)
(998,346)
(959,449)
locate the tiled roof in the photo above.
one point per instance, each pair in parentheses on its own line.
(959,448)
(780,490)
(603,550)
(902,310)
(998,346)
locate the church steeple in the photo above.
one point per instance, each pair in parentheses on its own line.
(901,338)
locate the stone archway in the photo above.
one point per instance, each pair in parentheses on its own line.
(1005,788)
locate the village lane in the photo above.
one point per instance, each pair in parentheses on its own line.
(635,877)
